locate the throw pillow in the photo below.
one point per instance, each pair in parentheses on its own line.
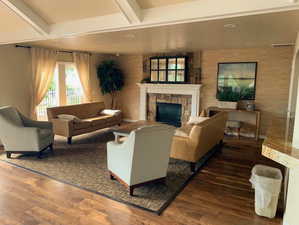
(196,119)
(111,112)
(69,117)
(183,131)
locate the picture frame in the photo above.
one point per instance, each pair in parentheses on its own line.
(236,81)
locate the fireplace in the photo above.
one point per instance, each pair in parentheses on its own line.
(169,113)
(187,95)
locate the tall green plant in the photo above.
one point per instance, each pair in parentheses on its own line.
(111,79)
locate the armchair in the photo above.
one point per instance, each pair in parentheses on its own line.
(19,134)
(142,158)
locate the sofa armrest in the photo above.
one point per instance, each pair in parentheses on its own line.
(63,127)
(180,148)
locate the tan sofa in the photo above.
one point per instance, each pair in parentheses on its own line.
(199,139)
(90,115)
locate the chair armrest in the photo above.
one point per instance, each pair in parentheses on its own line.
(63,127)
(21,135)
(116,153)
(33,123)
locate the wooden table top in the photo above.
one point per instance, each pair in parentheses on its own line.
(278,144)
(128,127)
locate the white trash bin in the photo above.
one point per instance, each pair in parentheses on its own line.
(266,181)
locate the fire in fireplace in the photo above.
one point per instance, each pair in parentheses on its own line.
(169,113)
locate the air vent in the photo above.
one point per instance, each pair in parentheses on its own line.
(280,45)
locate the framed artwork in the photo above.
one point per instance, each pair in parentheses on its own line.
(236,81)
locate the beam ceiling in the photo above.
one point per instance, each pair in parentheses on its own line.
(132,16)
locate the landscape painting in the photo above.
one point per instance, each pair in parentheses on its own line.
(236,81)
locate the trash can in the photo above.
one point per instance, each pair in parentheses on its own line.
(266,181)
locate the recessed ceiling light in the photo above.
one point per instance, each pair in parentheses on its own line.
(130,36)
(230,25)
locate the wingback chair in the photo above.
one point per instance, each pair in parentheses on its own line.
(142,158)
(19,134)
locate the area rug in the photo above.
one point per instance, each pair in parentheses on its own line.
(83,164)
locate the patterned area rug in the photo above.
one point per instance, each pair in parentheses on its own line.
(83,164)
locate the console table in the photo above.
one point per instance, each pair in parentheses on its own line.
(242,115)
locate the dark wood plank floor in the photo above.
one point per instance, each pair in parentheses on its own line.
(219,195)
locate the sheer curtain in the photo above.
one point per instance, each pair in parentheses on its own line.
(43,66)
(82,62)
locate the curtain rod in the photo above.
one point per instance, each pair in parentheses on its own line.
(62,51)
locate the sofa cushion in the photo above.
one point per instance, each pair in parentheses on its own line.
(82,125)
(100,120)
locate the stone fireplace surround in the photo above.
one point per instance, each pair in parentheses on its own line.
(186,94)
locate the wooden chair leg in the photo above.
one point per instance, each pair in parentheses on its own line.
(8,155)
(69,140)
(131,190)
(192,167)
(39,155)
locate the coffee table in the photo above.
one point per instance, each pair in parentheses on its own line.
(125,129)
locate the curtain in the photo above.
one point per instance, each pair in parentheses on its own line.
(82,62)
(43,67)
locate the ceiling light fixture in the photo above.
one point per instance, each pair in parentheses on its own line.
(230,25)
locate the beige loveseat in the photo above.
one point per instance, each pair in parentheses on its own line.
(90,115)
(199,139)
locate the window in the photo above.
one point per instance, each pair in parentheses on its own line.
(74,91)
(65,89)
(50,100)
(168,69)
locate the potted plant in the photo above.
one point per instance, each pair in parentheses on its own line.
(228,98)
(111,79)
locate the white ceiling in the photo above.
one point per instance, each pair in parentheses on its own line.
(157,25)
(250,31)
(68,10)
(9,22)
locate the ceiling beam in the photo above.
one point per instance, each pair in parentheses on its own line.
(27,14)
(130,9)
(192,11)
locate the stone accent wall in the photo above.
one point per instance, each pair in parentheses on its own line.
(184,100)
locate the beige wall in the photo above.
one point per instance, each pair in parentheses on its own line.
(128,99)
(273,77)
(15,75)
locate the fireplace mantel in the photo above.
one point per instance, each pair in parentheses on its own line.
(175,89)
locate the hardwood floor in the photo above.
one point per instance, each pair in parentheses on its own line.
(220,194)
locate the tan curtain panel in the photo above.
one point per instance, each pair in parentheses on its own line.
(43,67)
(82,62)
